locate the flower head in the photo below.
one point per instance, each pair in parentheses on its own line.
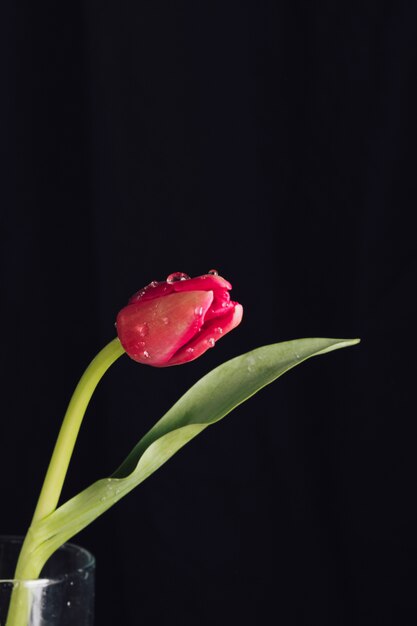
(177,320)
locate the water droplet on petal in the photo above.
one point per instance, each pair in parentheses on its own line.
(146,354)
(213,272)
(165,320)
(177,276)
(143,329)
(198,311)
(211,342)
(154,283)
(219,330)
(190,350)
(138,295)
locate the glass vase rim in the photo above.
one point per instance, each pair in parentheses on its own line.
(88,565)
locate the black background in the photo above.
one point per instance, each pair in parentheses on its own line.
(274,141)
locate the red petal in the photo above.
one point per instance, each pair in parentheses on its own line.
(152,291)
(205,283)
(220,306)
(207,337)
(152,331)
(155,289)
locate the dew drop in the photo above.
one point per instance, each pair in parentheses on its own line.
(154,283)
(142,329)
(219,330)
(190,350)
(211,342)
(213,272)
(198,311)
(103,499)
(165,320)
(146,354)
(177,276)
(250,364)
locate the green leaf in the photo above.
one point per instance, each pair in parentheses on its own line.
(208,401)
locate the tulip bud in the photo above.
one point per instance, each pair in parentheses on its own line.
(176,321)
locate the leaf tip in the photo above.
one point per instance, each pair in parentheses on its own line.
(340,343)
(352,342)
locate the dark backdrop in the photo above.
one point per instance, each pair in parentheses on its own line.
(274,141)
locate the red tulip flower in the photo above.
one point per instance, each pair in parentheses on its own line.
(176,321)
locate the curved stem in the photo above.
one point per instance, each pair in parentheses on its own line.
(27,566)
(61,456)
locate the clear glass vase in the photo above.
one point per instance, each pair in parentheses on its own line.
(63,596)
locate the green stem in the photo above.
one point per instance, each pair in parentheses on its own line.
(27,566)
(67,437)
